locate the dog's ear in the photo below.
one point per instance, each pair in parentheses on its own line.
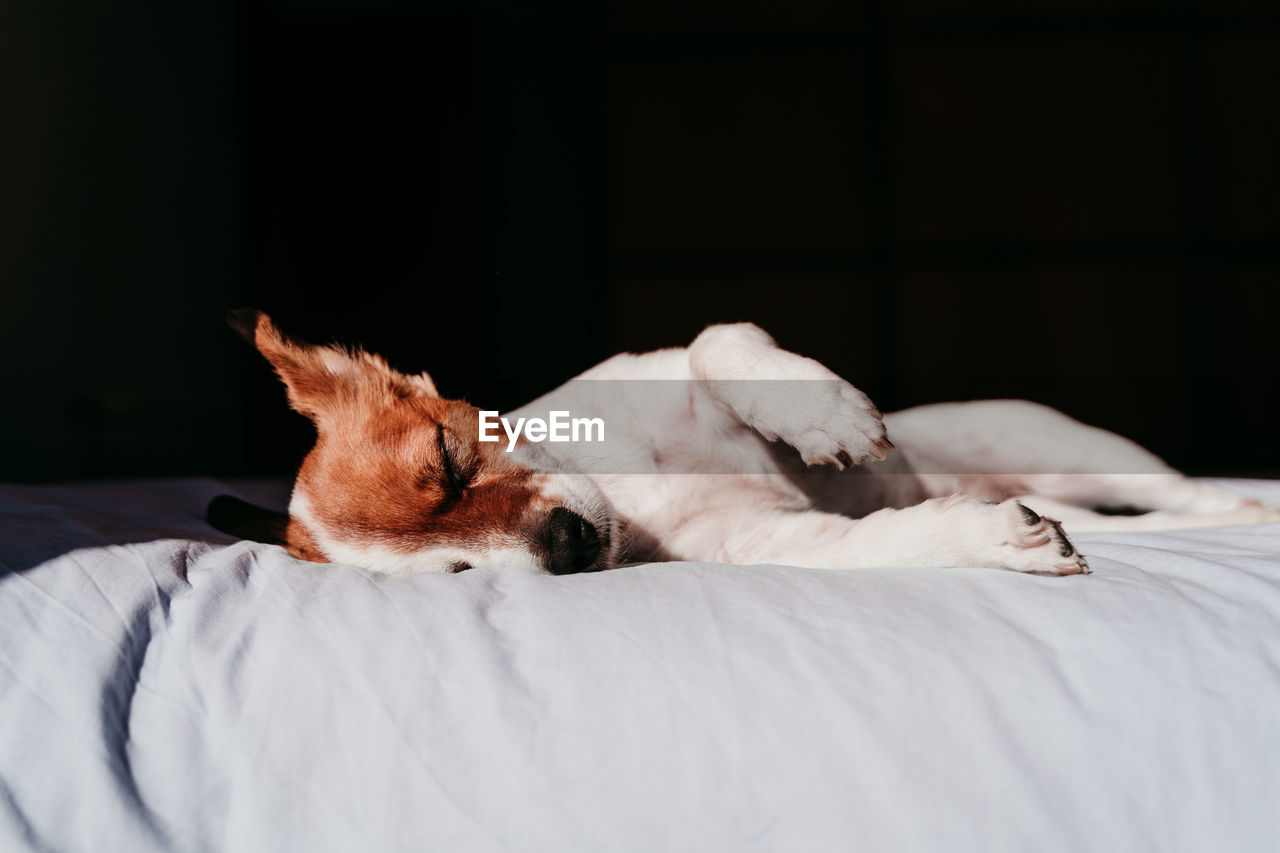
(320,379)
(245,322)
(244,520)
(422,382)
(247,521)
(402,384)
(315,378)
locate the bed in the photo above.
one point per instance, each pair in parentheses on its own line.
(164,687)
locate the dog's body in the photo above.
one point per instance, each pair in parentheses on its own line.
(717,466)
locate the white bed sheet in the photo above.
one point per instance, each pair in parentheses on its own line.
(162,687)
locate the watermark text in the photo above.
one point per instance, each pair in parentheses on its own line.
(558,427)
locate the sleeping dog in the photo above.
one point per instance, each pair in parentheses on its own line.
(729,450)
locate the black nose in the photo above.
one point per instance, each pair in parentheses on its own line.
(574,543)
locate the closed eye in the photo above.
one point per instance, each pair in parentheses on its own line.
(456,482)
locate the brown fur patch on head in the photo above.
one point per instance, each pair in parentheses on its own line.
(394,465)
(412,474)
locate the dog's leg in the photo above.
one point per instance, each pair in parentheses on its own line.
(1012,448)
(1082,520)
(1171,493)
(787,397)
(942,532)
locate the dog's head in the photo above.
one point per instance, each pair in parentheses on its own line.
(399,482)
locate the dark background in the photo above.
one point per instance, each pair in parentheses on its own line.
(1063,199)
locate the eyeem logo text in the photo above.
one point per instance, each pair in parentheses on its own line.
(559,427)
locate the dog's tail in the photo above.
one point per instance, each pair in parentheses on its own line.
(247,521)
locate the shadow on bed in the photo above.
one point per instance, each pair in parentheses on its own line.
(45,522)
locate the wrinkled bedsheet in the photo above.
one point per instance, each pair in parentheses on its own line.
(165,687)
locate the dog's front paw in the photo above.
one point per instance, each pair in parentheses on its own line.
(1028,542)
(834,424)
(826,419)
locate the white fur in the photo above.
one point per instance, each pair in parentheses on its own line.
(907,510)
(743,405)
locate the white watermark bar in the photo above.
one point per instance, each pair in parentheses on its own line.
(797,428)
